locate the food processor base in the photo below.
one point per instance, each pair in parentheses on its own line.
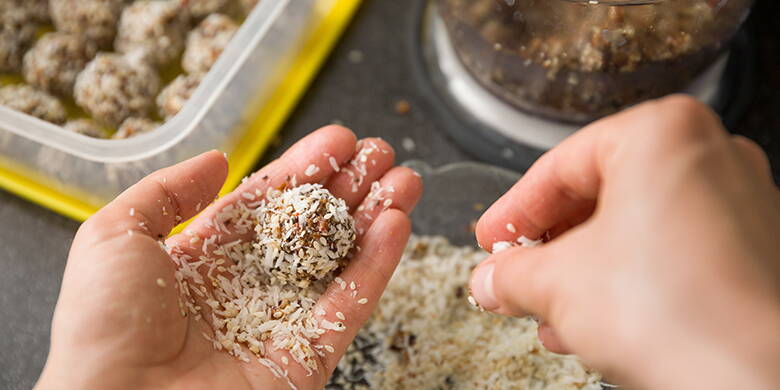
(495,131)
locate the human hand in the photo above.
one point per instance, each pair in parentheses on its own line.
(663,270)
(118,324)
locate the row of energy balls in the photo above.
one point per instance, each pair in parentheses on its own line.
(117,89)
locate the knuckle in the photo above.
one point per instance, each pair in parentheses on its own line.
(672,125)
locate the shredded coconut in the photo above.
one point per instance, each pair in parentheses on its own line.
(422,335)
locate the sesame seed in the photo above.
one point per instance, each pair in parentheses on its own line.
(352,285)
(161,282)
(363,301)
(132,211)
(340,316)
(130,232)
(285,360)
(511,228)
(330,349)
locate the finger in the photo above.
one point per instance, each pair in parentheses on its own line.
(373,157)
(550,340)
(352,301)
(517,282)
(314,150)
(754,154)
(400,188)
(568,179)
(157,203)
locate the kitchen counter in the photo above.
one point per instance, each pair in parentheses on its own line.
(366,77)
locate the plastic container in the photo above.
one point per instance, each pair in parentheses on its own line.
(576,61)
(238,108)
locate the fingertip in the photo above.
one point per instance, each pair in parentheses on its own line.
(383,146)
(481,286)
(219,160)
(550,339)
(338,133)
(410,187)
(395,223)
(492,227)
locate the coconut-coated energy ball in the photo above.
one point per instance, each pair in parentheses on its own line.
(95,20)
(206,43)
(303,234)
(175,95)
(199,9)
(55,61)
(135,126)
(112,88)
(156,28)
(33,102)
(17,34)
(33,10)
(86,127)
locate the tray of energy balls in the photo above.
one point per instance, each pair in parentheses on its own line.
(96,94)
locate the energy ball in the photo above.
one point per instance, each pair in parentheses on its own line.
(33,10)
(201,8)
(155,28)
(303,234)
(135,126)
(17,34)
(86,127)
(95,20)
(55,61)
(206,42)
(175,95)
(112,88)
(33,102)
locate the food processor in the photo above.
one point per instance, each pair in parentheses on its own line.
(512,78)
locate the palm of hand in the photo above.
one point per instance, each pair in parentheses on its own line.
(119,311)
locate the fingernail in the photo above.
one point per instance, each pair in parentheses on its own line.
(482,287)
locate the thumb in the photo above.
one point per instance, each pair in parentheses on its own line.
(518,281)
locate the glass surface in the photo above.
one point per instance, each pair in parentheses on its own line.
(455,197)
(580,60)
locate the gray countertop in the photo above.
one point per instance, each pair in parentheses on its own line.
(360,94)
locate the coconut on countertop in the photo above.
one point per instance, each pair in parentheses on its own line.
(33,102)
(156,28)
(206,43)
(55,61)
(113,88)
